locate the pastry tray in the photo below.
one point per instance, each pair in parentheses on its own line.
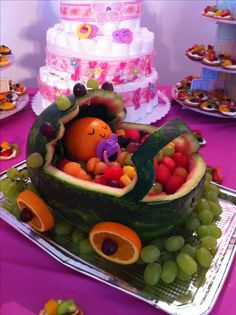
(196,296)
(198,110)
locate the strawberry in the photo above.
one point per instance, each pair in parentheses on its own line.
(211,56)
(225,13)
(6,153)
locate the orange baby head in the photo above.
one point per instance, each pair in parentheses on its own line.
(83,135)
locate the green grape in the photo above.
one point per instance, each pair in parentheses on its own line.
(203,230)
(14,210)
(12,190)
(127,159)
(63,228)
(77,236)
(24,174)
(214,189)
(209,242)
(205,216)
(157,187)
(186,263)
(189,249)
(85,246)
(215,208)
(208,177)
(168,150)
(152,274)
(213,251)
(92,84)
(13,173)
(4,185)
(159,155)
(204,257)
(34,160)
(150,253)
(192,223)
(174,243)
(211,195)
(215,230)
(181,275)
(169,271)
(67,307)
(63,103)
(202,205)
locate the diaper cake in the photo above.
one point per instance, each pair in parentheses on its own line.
(101,40)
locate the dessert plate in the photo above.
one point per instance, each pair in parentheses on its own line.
(198,110)
(197,296)
(158,112)
(20,104)
(11,58)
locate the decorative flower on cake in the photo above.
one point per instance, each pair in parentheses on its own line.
(98,71)
(107,12)
(119,73)
(133,69)
(74,62)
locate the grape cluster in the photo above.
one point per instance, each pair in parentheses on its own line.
(72,238)
(178,256)
(11,186)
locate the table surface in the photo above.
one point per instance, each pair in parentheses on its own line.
(30,277)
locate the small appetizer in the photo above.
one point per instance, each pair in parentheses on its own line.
(227,110)
(8,151)
(210,11)
(182,94)
(4,61)
(208,106)
(197,52)
(4,50)
(19,89)
(211,59)
(193,101)
(200,94)
(7,105)
(229,64)
(59,307)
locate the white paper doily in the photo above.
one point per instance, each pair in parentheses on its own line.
(158,112)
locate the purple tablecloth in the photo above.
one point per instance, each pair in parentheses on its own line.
(29,276)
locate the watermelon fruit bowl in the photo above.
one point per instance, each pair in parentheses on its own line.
(85,203)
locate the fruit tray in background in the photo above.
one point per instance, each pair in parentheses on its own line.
(198,295)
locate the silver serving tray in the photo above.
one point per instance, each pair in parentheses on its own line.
(196,296)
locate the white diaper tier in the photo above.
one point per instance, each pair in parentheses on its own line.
(103,46)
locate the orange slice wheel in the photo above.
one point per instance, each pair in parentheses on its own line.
(115,242)
(43,219)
